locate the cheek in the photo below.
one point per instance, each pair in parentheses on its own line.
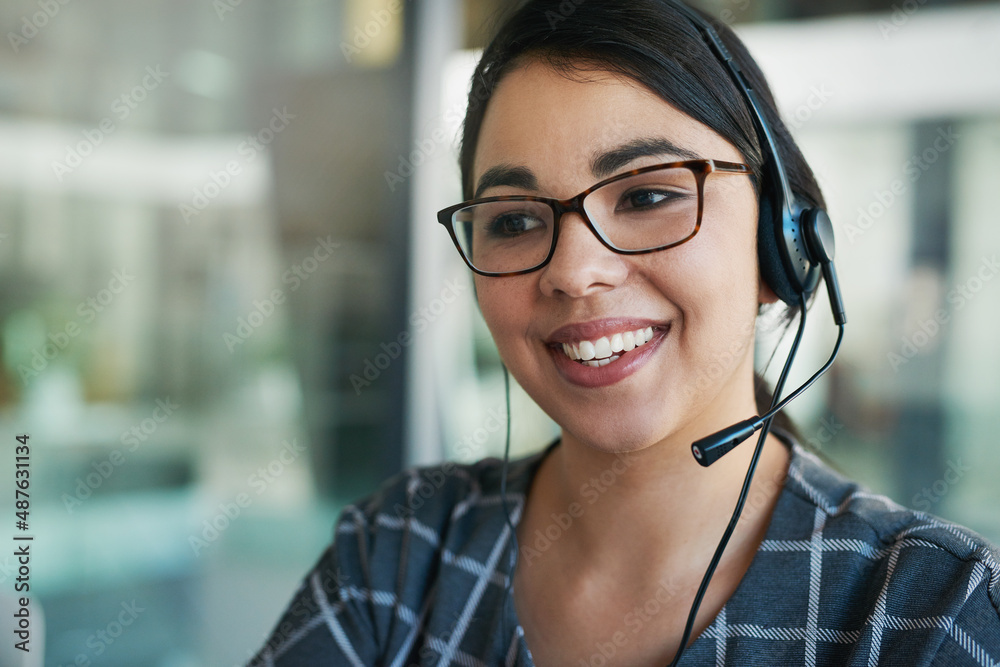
(724,252)
(504,303)
(717,269)
(714,283)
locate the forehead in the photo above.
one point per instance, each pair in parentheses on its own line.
(558,124)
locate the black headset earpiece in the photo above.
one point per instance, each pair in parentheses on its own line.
(787,263)
(817,230)
(796,253)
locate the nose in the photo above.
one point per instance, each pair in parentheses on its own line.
(581,265)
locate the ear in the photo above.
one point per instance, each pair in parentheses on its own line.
(765,294)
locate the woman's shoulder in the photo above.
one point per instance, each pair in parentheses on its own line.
(851,511)
(441,495)
(904,581)
(428,515)
(428,533)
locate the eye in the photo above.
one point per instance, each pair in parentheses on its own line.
(513,223)
(647,197)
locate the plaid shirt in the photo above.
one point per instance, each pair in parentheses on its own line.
(417,575)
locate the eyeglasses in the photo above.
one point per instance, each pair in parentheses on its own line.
(640,211)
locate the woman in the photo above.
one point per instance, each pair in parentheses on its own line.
(635,356)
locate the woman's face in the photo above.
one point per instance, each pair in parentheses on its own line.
(699,299)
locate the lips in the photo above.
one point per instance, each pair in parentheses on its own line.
(602,352)
(606,349)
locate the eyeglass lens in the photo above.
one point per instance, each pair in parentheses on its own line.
(640,212)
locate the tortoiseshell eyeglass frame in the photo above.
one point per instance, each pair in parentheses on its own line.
(699,168)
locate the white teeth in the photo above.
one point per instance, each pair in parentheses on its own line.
(596,363)
(572,351)
(606,349)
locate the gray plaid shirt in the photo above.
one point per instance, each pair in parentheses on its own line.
(417,575)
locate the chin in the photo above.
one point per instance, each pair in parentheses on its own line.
(619,434)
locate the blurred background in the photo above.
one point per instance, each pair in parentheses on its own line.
(226,308)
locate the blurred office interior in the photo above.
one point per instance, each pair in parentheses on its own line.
(227,310)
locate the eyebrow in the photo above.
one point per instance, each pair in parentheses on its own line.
(505,174)
(607,163)
(602,164)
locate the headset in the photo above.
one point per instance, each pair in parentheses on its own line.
(795,248)
(794,239)
(795,245)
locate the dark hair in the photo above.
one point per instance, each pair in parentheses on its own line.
(654,44)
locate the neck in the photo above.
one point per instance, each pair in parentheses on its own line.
(654,512)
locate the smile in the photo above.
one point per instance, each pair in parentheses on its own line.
(605,350)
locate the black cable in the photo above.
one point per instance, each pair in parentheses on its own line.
(808,383)
(503,504)
(744,492)
(710,449)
